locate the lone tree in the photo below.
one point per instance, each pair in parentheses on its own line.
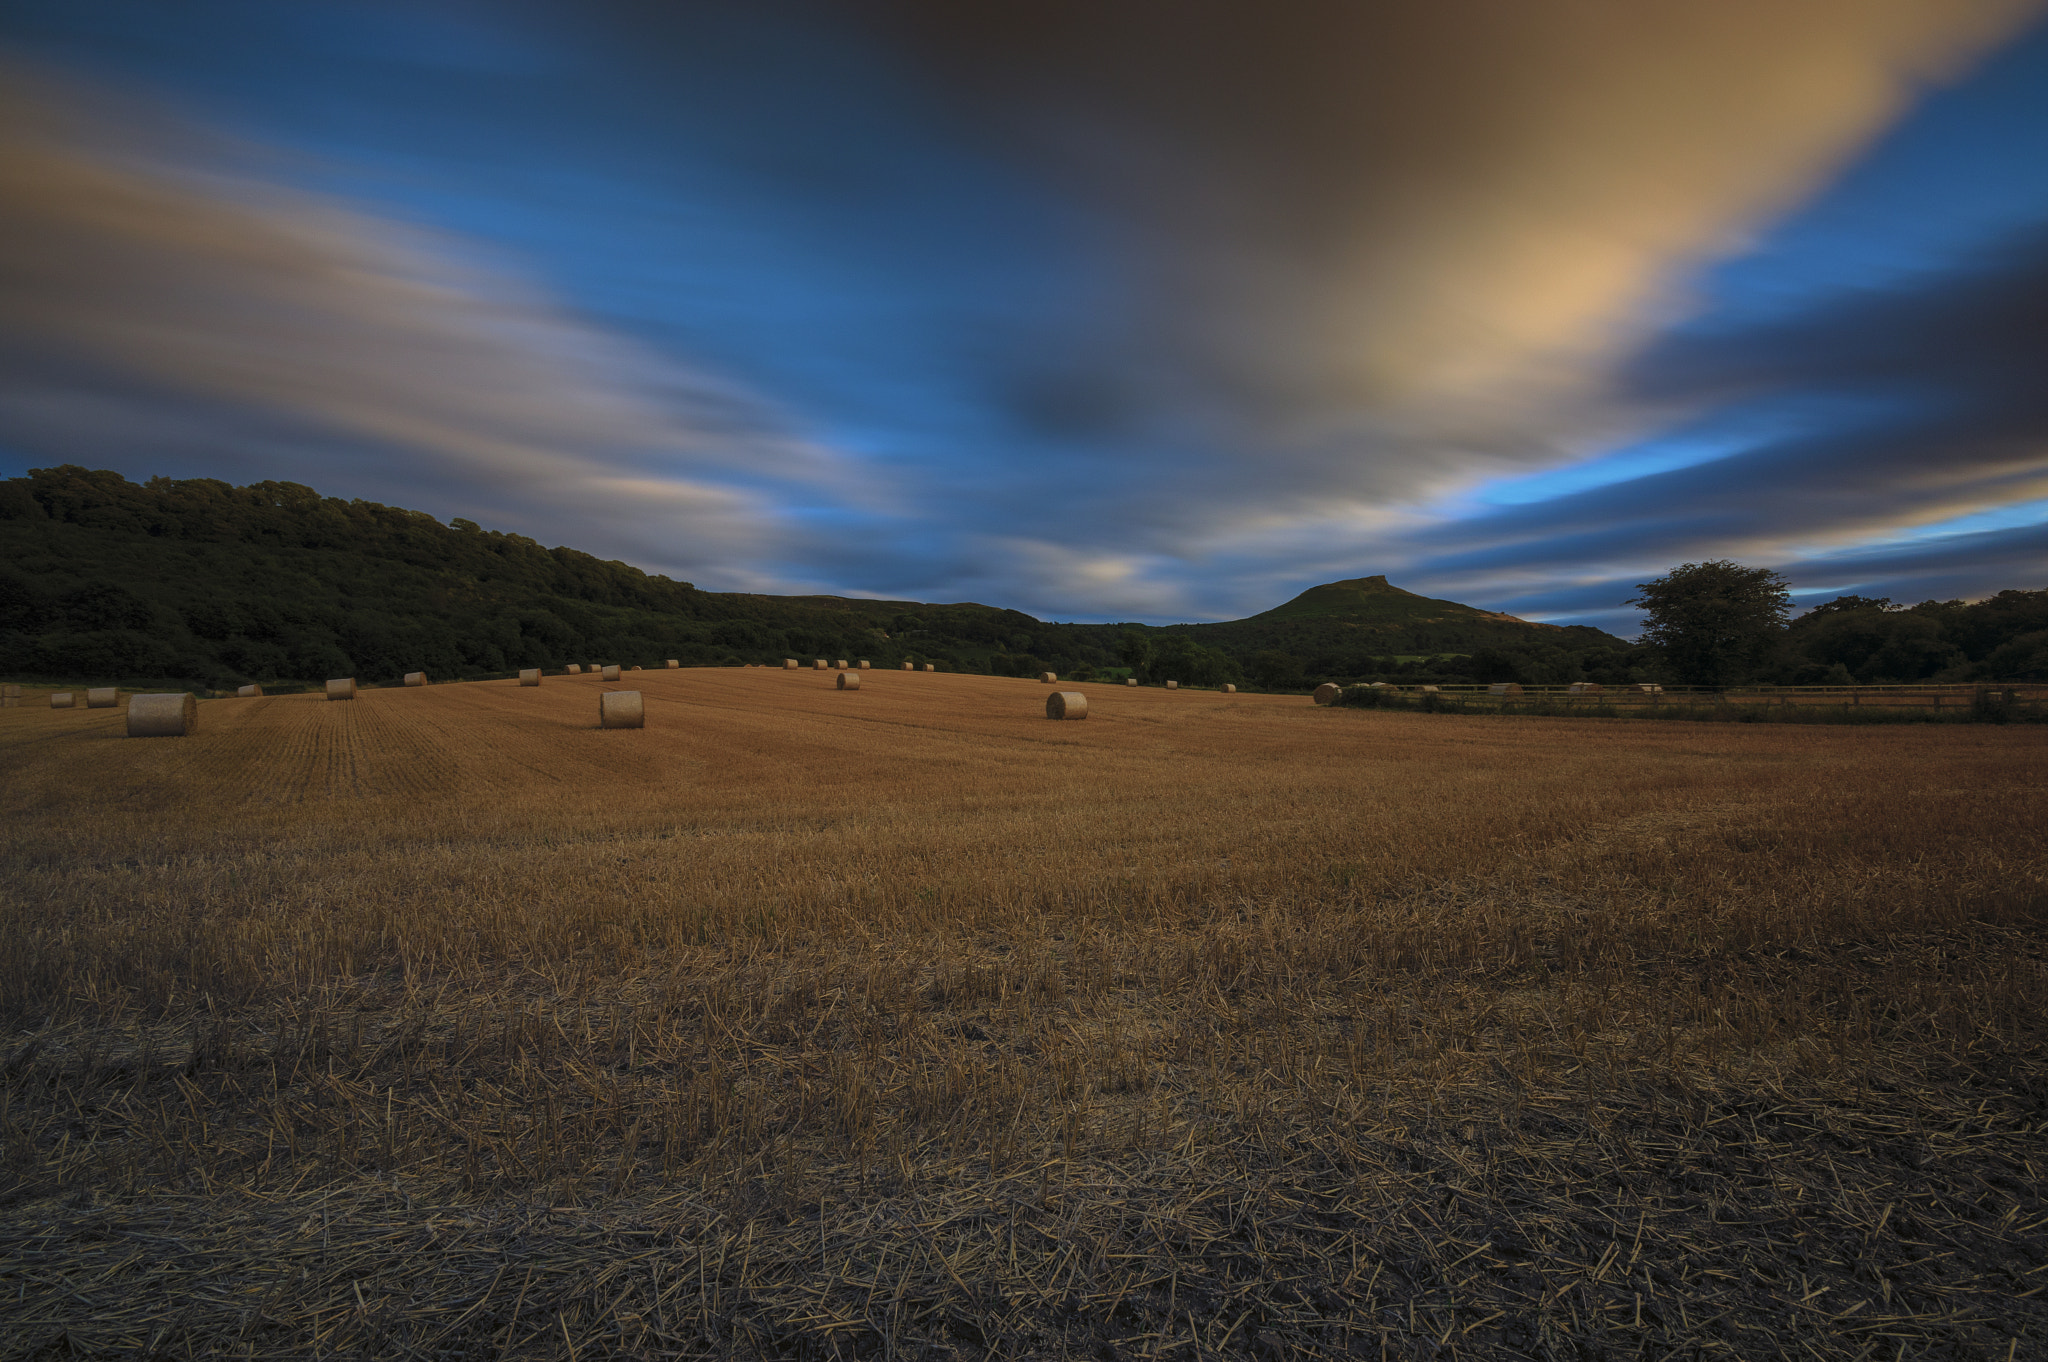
(1714,622)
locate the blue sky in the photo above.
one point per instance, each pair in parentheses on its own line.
(1156,312)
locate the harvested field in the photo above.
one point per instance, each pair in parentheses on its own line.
(446,1024)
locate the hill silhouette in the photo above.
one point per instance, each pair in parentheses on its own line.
(196,582)
(1370,615)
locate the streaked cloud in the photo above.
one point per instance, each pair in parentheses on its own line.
(154,296)
(1155,310)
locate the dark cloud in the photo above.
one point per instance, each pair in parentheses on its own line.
(1973,336)
(1903,407)
(1126,309)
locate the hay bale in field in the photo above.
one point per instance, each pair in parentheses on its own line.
(863,664)
(1427,690)
(789,664)
(102,697)
(1130,680)
(1066,704)
(246,692)
(611,673)
(170,715)
(1504,688)
(1584,688)
(341,688)
(636,669)
(1327,693)
(1048,678)
(60,699)
(840,665)
(674,665)
(849,680)
(929,667)
(415,678)
(1173,685)
(529,676)
(1650,690)
(1229,689)
(575,669)
(910,666)
(819,665)
(621,709)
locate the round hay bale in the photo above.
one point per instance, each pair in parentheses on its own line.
(170,715)
(1130,680)
(674,665)
(1066,704)
(863,664)
(840,665)
(529,676)
(818,665)
(929,667)
(1427,690)
(611,673)
(60,699)
(1327,693)
(621,709)
(575,669)
(102,697)
(910,666)
(245,692)
(341,688)
(1048,678)
(415,678)
(1229,689)
(1173,685)
(636,669)
(849,680)
(789,664)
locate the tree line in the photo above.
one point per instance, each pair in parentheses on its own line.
(197,582)
(1721,624)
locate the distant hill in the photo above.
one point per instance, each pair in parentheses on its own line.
(1371,599)
(199,582)
(1369,615)
(196,582)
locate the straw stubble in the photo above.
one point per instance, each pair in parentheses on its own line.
(872,1025)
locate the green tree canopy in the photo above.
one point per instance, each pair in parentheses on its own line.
(1714,623)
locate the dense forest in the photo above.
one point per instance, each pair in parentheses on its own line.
(196,582)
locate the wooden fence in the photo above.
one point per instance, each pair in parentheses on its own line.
(1920,696)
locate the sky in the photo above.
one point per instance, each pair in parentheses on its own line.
(1160,310)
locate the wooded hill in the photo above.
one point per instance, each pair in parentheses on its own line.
(197,582)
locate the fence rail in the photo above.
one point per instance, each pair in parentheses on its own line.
(1923,696)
